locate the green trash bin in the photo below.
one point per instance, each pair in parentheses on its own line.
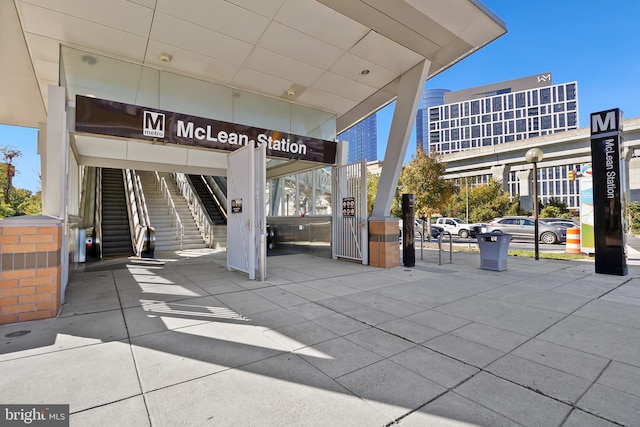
(494,250)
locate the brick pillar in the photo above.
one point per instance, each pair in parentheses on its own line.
(384,249)
(30,268)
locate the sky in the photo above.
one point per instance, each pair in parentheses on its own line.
(593,43)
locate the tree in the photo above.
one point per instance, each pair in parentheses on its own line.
(515,209)
(555,208)
(423,177)
(9,153)
(16,201)
(373,179)
(486,202)
(634,213)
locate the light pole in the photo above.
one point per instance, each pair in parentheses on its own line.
(535,155)
(466,192)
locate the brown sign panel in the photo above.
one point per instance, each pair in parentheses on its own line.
(110,118)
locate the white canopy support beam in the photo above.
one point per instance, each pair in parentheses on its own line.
(404,116)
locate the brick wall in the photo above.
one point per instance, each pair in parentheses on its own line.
(30,270)
(384,249)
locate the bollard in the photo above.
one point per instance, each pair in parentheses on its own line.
(573,240)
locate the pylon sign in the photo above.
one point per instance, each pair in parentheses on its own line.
(606,147)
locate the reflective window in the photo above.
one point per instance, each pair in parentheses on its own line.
(545,95)
(475,107)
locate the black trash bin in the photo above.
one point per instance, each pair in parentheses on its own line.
(494,250)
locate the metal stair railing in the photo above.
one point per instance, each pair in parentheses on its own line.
(163,189)
(199,212)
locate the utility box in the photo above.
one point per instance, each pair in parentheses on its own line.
(494,250)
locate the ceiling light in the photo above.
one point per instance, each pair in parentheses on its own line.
(164,57)
(88,59)
(290,92)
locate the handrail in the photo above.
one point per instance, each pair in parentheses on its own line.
(199,212)
(161,185)
(137,208)
(143,201)
(440,247)
(98,213)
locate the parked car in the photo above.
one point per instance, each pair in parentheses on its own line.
(477,229)
(561,222)
(417,224)
(455,226)
(565,224)
(524,227)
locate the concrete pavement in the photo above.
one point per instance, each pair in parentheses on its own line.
(182,341)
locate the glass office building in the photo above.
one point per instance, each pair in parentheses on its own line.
(501,113)
(363,140)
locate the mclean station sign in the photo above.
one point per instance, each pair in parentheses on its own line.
(110,118)
(606,149)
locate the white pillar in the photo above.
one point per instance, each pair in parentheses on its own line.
(501,174)
(526,186)
(53,155)
(404,116)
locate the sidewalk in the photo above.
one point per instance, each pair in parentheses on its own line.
(183,341)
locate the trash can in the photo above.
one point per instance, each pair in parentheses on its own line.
(494,249)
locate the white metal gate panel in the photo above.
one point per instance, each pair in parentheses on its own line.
(260,191)
(241,215)
(350,228)
(247,220)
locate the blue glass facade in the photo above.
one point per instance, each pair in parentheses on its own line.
(363,140)
(430,98)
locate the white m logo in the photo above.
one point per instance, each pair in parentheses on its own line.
(153,124)
(544,78)
(599,125)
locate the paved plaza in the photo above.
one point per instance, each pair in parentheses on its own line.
(180,340)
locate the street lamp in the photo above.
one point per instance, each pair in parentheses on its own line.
(466,191)
(535,155)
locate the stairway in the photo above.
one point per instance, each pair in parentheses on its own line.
(116,237)
(162,219)
(219,221)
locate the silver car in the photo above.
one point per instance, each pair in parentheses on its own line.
(524,227)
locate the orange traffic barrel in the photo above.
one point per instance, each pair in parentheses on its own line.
(573,240)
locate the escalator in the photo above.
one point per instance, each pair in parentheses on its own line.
(116,237)
(212,207)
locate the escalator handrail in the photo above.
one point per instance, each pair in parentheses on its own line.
(222,210)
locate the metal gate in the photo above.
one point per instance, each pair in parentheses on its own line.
(350,227)
(246,219)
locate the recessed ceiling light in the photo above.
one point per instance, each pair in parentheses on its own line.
(164,57)
(88,59)
(364,72)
